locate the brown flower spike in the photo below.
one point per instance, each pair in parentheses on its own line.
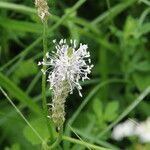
(42,9)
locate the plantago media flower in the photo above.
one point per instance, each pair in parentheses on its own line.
(42,9)
(66,67)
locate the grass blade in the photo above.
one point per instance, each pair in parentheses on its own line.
(23,26)
(22,8)
(22,54)
(18,93)
(112,12)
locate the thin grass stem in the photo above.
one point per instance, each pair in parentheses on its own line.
(78,136)
(75,141)
(22,54)
(19,112)
(32,84)
(92,139)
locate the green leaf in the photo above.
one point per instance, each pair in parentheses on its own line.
(143,66)
(82,123)
(98,109)
(145,28)
(130,28)
(111,111)
(20,25)
(142,80)
(40,126)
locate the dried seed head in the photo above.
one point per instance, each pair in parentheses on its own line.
(42,9)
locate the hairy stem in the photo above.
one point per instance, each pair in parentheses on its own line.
(44,102)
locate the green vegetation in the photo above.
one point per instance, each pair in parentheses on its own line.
(117,34)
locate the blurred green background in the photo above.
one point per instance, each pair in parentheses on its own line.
(117,33)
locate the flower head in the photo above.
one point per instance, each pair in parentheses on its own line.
(68,64)
(65,68)
(42,9)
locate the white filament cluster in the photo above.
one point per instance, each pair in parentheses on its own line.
(133,128)
(68,64)
(143,131)
(124,129)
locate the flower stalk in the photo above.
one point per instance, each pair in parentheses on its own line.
(44,101)
(43,13)
(66,67)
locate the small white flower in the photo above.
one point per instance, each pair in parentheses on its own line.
(143,131)
(133,128)
(69,64)
(124,129)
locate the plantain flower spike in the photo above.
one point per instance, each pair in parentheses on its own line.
(65,68)
(42,9)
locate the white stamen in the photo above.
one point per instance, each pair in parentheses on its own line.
(68,63)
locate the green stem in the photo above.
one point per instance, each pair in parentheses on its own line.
(92,139)
(114,11)
(58,140)
(54,145)
(44,101)
(86,144)
(33,83)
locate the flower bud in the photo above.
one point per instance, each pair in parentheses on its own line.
(42,9)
